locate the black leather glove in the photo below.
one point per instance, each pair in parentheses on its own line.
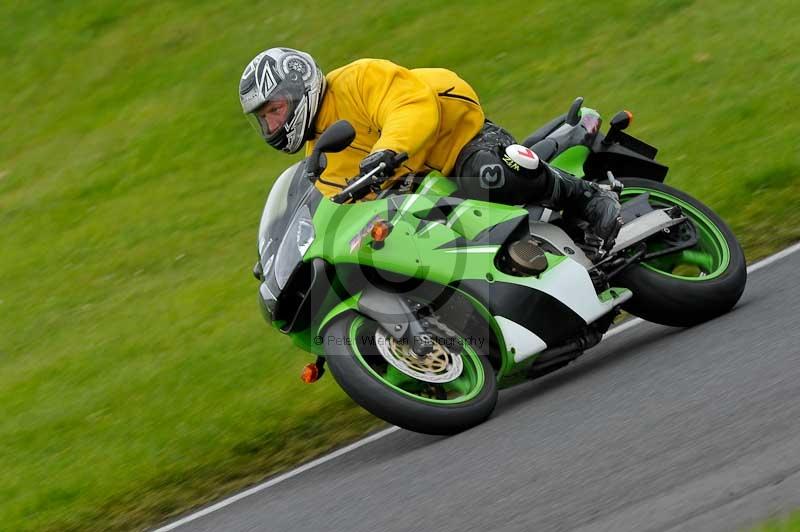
(371,161)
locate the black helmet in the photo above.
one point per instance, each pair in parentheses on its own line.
(283,74)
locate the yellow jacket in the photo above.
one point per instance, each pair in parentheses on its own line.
(429,113)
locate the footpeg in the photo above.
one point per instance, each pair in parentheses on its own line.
(644,226)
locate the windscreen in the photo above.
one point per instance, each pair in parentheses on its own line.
(290,190)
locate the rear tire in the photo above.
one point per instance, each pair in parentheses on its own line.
(679,300)
(358,371)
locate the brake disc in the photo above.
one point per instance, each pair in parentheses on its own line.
(440,366)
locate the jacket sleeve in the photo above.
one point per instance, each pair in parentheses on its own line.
(403,107)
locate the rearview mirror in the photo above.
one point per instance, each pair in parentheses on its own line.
(336,138)
(621,120)
(574,113)
(618,122)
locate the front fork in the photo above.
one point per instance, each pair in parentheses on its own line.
(396,316)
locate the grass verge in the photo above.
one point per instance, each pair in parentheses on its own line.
(790,523)
(136,375)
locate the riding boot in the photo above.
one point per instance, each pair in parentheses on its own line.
(559,190)
(584,200)
(524,178)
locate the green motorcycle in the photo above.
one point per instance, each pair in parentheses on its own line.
(423,304)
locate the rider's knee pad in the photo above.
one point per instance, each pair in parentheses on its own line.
(490,175)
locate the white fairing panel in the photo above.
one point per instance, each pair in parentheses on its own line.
(569,282)
(524,343)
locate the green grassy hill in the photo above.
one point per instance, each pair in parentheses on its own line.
(137,377)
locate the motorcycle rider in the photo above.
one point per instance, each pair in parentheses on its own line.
(429,113)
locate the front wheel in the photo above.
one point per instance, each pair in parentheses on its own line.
(449,391)
(690,286)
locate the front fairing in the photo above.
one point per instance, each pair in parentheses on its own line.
(283,234)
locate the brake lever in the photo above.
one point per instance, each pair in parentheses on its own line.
(614,185)
(364,180)
(369,179)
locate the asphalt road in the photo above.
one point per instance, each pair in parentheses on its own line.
(655,429)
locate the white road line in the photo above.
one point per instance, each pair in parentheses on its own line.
(280,478)
(769,260)
(378,435)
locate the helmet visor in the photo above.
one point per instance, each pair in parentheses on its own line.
(271,116)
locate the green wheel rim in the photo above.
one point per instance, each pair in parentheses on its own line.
(710,256)
(460,390)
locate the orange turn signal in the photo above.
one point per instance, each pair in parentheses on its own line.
(630,117)
(310,374)
(380,230)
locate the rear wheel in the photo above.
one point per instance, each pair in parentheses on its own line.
(692,285)
(448,391)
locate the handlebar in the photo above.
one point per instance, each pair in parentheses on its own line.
(370,179)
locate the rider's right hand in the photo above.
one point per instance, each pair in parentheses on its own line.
(373,160)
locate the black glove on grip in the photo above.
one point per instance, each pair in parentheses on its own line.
(371,161)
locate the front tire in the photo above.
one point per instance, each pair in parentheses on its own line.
(380,388)
(691,286)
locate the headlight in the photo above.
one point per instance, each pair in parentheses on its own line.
(299,237)
(267,300)
(267,255)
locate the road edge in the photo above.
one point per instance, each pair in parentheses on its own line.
(378,435)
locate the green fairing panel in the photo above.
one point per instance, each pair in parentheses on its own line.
(572,160)
(350,303)
(305,341)
(330,307)
(417,246)
(437,184)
